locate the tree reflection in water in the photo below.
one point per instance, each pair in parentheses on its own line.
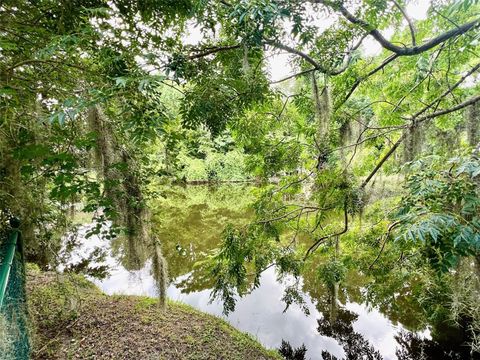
(413,347)
(200,215)
(339,326)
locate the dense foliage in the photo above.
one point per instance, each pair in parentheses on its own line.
(101,101)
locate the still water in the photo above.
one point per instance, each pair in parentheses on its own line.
(189,221)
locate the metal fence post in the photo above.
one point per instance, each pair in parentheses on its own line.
(7,262)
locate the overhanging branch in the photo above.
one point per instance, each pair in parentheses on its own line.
(419,118)
(317,243)
(406,51)
(213,50)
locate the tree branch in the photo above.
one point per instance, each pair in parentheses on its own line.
(316,65)
(406,51)
(457,107)
(213,50)
(409,21)
(291,50)
(416,119)
(35,61)
(305,72)
(370,73)
(444,94)
(385,238)
(320,240)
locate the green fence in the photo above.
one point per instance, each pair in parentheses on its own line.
(14,342)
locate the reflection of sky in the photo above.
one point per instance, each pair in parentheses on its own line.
(260,313)
(375,328)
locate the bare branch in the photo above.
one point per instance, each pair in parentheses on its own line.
(383,159)
(300,209)
(305,72)
(317,243)
(47,62)
(457,107)
(409,21)
(444,94)
(407,51)
(385,238)
(291,50)
(312,61)
(370,73)
(346,62)
(213,50)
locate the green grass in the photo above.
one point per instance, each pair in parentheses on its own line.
(71,316)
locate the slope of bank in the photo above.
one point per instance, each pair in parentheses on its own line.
(72,319)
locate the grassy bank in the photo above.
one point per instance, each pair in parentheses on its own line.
(72,319)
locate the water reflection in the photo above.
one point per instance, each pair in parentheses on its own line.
(261,314)
(339,325)
(189,221)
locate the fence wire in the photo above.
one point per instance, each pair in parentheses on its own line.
(14,339)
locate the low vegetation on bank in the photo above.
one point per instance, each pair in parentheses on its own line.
(73,319)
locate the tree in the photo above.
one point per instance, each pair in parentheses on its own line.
(71,86)
(409,73)
(83,106)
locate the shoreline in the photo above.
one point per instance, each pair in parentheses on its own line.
(72,319)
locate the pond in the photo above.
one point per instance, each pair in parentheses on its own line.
(189,221)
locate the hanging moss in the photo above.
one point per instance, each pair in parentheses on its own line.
(473,119)
(160,272)
(323,108)
(123,188)
(22,139)
(245,62)
(323,113)
(134,213)
(104,151)
(345,137)
(413,143)
(464,300)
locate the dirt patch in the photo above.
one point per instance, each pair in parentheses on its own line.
(74,320)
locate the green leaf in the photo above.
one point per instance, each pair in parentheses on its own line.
(121,81)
